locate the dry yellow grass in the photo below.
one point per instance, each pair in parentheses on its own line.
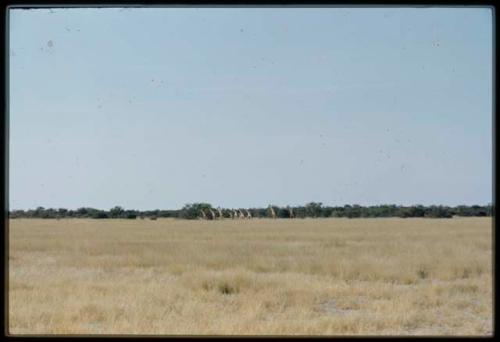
(310,276)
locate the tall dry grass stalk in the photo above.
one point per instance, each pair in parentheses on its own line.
(310,276)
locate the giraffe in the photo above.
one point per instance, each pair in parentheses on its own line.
(235,214)
(212,214)
(220,213)
(203,215)
(240,214)
(249,215)
(273,213)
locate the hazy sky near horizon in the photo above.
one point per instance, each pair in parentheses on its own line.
(241,107)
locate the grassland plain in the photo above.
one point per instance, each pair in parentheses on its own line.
(258,277)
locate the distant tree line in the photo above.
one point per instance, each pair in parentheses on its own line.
(313,209)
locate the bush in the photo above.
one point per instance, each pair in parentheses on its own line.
(131,216)
(100,215)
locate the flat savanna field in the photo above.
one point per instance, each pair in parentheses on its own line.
(260,277)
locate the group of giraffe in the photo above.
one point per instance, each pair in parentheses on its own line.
(211,214)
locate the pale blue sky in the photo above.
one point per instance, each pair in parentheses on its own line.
(241,107)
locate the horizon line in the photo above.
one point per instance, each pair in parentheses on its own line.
(274,205)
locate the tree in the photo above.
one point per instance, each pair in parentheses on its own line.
(166,213)
(39,212)
(116,212)
(352,211)
(282,213)
(17,214)
(438,212)
(49,213)
(62,212)
(313,209)
(92,212)
(81,212)
(192,211)
(130,214)
(326,212)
